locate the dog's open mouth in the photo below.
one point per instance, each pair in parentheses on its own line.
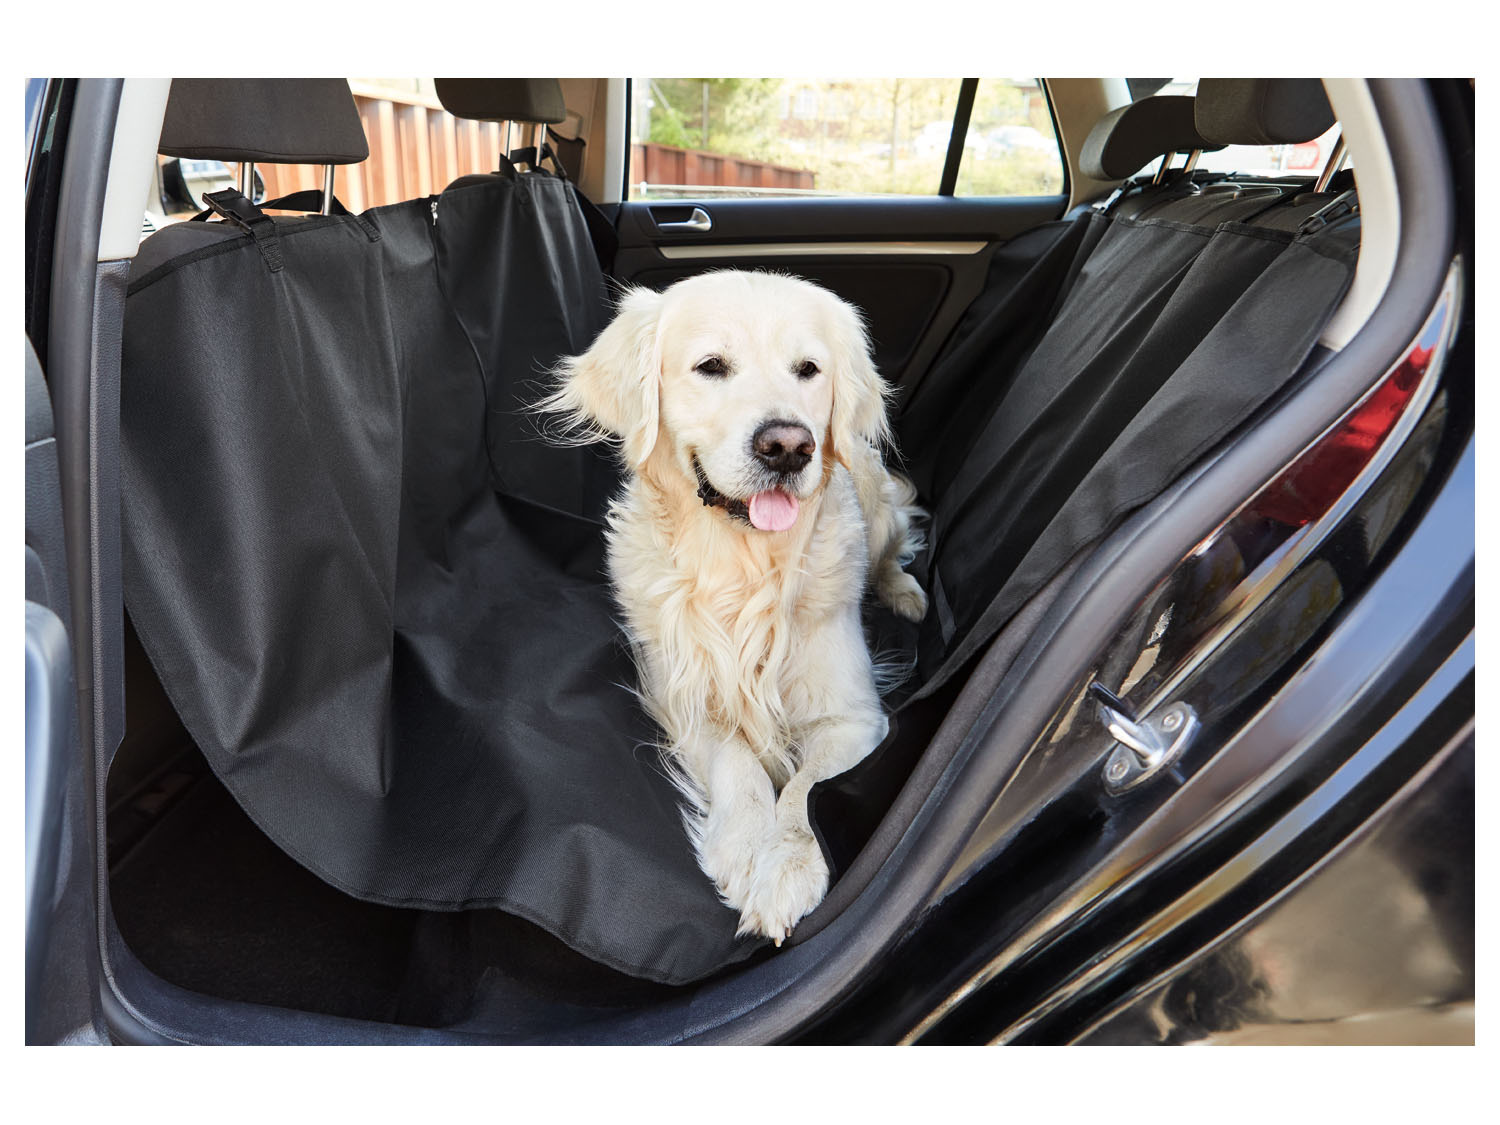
(772,509)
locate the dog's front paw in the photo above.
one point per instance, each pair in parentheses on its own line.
(728,844)
(900,591)
(790,878)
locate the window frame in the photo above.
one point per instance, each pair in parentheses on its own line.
(952,162)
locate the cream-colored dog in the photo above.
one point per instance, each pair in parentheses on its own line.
(751,418)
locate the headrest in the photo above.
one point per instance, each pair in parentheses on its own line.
(1262,111)
(266,120)
(503,99)
(1126,139)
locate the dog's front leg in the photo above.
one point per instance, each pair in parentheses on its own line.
(735,818)
(844,723)
(791,876)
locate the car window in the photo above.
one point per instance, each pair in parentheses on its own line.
(1010,147)
(1306,159)
(769,137)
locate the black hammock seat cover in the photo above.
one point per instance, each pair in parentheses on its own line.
(377,599)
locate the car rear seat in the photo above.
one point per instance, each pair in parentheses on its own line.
(1161,343)
(373,594)
(1153,328)
(1009,318)
(377,601)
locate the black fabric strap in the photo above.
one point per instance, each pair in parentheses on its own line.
(1281,198)
(311,201)
(529,157)
(569,152)
(231,205)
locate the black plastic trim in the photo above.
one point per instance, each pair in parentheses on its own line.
(84,335)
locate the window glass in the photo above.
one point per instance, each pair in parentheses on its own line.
(1010,147)
(762,137)
(1306,159)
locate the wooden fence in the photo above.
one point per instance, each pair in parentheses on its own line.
(417,148)
(664,165)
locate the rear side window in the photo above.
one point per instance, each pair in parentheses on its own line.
(768,137)
(1010,147)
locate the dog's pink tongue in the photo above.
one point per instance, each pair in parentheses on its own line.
(773,510)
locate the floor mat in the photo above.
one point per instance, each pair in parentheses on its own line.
(210,904)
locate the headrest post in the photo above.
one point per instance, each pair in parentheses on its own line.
(541,139)
(327,190)
(1161,173)
(1192,161)
(247,179)
(1335,162)
(509,144)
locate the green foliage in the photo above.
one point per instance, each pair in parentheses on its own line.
(742,114)
(858,136)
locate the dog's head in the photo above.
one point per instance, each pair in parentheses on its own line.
(742,386)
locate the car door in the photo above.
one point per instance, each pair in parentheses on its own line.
(905,228)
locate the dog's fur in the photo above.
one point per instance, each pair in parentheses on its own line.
(749,644)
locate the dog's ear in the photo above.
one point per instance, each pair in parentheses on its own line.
(859,393)
(611,391)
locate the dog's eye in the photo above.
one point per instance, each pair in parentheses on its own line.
(712,366)
(806,369)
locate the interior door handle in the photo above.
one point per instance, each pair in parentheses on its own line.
(699,221)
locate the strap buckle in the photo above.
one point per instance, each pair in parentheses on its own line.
(235,208)
(1343,204)
(1103,206)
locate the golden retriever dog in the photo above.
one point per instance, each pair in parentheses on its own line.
(757,507)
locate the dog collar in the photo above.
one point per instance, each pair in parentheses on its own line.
(713,498)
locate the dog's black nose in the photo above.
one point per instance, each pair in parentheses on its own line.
(783,447)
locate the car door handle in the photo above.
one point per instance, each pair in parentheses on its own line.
(699,221)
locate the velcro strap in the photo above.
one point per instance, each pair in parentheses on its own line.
(232,205)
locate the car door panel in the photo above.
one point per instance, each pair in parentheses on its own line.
(911,264)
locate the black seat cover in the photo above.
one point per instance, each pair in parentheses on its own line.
(402,658)
(377,600)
